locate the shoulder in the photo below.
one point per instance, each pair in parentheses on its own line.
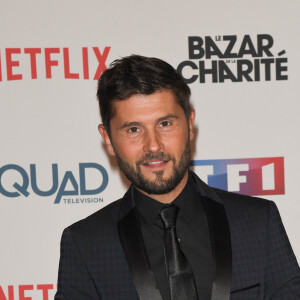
(252,212)
(88,242)
(240,200)
(230,200)
(240,206)
(101,221)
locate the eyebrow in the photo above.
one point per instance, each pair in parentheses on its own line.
(129,124)
(169,116)
(135,123)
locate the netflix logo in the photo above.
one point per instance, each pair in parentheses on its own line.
(40,63)
(28,292)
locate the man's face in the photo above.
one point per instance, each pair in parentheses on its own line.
(150,137)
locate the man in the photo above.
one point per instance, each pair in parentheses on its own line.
(171,236)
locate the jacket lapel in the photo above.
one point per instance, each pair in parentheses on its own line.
(133,246)
(220,240)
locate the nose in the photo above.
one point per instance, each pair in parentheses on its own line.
(152,142)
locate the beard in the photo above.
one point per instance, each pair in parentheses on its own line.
(159,185)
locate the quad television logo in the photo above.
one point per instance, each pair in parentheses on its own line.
(16,181)
(233,58)
(250,176)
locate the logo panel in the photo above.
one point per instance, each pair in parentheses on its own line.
(15,181)
(250,176)
(233,58)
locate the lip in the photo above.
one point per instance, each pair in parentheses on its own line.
(155,164)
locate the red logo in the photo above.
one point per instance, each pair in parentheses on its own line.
(26,292)
(16,58)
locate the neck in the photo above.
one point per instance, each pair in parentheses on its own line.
(172,195)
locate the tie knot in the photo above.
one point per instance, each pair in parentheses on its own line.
(168,215)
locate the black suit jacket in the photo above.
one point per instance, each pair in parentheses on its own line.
(103,256)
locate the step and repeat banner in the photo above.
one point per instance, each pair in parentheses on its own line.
(241,61)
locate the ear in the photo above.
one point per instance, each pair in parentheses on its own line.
(191,124)
(106,139)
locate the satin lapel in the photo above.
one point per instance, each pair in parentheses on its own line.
(221,245)
(220,240)
(133,246)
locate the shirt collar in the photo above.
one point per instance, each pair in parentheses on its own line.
(150,208)
(146,206)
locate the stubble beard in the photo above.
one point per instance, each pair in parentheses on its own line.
(159,185)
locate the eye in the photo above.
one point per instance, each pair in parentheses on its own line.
(165,123)
(133,130)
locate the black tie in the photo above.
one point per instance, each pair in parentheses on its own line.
(181,279)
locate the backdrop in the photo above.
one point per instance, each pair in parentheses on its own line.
(241,61)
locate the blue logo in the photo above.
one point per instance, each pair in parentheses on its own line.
(60,188)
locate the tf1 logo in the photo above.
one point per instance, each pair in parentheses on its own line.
(249,176)
(22,179)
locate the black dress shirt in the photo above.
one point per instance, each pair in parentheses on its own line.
(192,232)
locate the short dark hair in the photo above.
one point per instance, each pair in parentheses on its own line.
(134,75)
